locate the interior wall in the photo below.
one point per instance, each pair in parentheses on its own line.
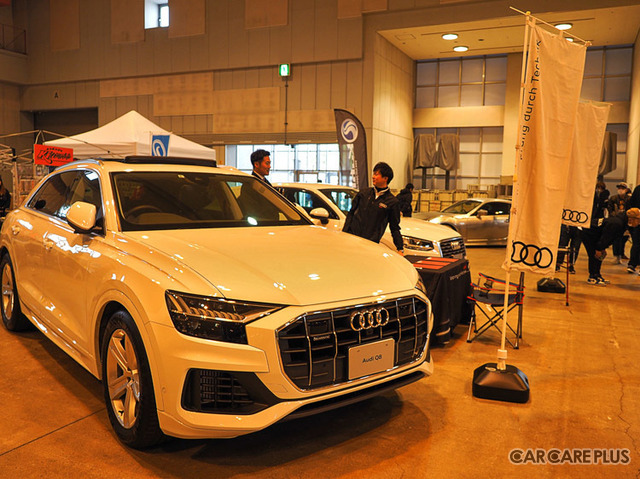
(393,100)
(313,34)
(633,138)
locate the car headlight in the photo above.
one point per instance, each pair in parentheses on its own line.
(417,244)
(219,319)
(421,287)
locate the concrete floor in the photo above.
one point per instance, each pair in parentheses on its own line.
(581,360)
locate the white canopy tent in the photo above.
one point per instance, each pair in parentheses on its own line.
(128,135)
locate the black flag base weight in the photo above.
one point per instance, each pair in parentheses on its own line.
(509,384)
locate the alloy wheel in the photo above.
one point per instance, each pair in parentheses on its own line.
(123,378)
(8,297)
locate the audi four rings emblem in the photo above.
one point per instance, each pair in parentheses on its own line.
(577,216)
(369,319)
(531,255)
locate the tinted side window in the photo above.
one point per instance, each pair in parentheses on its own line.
(87,188)
(497,208)
(51,197)
(309,201)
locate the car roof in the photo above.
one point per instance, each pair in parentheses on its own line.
(140,163)
(313,186)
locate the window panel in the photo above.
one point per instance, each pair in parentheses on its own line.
(449,72)
(472,70)
(426,73)
(469,165)
(496,69)
(591,89)
(617,89)
(491,165)
(494,94)
(618,61)
(492,140)
(593,63)
(471,95)
(426,97)
(448,96)
(470,140)
(621,132)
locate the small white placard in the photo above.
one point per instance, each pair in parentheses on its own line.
(371,358)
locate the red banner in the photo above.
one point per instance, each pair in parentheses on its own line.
(51,155)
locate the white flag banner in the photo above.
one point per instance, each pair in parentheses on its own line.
(553,80)
(591,124)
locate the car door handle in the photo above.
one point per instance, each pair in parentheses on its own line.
(48,244)
(15,230)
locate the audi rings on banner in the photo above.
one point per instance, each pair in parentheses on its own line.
(531,255)
(575,216)
(369,319)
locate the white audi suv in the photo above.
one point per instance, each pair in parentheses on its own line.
(206,303)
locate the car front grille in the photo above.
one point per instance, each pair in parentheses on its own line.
(452,247)
(314,348)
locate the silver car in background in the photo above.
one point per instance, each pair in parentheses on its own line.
(480,221)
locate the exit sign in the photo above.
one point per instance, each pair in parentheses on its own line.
(284,69)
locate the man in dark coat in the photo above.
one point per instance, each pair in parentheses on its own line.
(374,208)
(405,197)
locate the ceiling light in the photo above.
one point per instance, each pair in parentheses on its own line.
(569,39)
(460,48)
(449,36)
(564,26)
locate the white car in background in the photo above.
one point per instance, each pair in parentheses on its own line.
(198,297)
(328,205)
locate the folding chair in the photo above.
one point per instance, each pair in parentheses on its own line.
(488,299)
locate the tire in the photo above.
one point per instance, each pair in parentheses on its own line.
(130,400)
(12,316)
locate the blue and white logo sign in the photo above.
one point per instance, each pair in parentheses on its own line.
(159,145)
(349,130)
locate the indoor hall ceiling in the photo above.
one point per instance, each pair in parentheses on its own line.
(607,26)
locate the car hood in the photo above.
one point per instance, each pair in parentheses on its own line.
(298,265)
(418,228)
(429,215)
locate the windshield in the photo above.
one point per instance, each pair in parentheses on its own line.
(341,197)
(462,207)
(175,200)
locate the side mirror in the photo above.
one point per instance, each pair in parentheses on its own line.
(82,216)
(481,213)
(320,214)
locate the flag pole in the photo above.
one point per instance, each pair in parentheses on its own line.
(498,380)
(502,352)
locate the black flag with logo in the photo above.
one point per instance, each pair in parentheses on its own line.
(353,149)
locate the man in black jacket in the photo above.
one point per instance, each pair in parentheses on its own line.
(374,208)
(405,197)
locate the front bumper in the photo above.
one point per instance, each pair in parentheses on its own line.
(254,371)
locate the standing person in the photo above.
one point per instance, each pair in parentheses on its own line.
(5,199)
(617,205)
(405,197)
(374,208)
(261,161)
(591,235)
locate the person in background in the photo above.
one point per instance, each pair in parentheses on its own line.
(261,161)
(634,229)
(374,208)
(5,199)
(591,236)
(617,205)
(405,197)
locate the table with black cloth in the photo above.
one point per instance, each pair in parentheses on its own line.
(448,283)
